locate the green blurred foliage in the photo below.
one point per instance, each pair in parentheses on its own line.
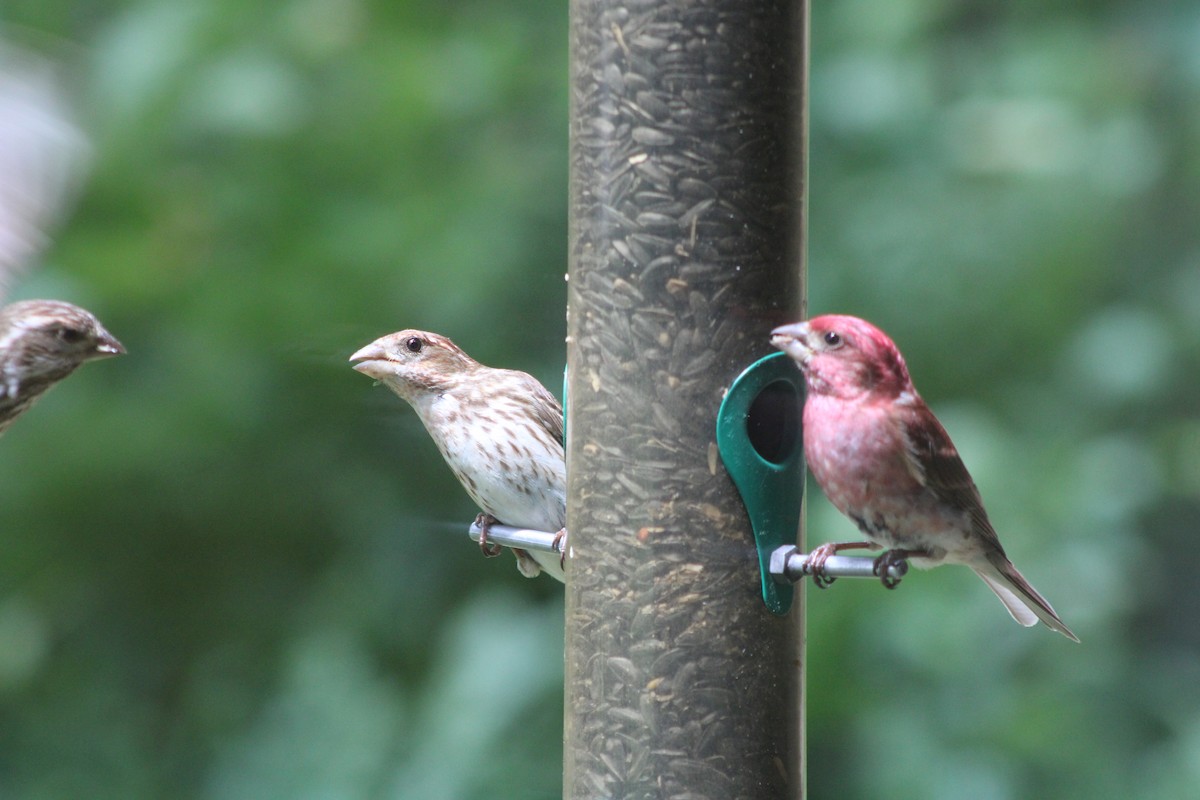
(232,569)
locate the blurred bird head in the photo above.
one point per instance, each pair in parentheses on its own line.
(43,341)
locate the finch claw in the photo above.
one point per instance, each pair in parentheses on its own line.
(816,565)
(560,546)
(818,557)
(485,521)
(884,564)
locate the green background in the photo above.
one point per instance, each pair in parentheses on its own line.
(233,569)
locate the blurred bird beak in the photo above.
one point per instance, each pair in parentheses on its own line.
(793,340)
(107,345)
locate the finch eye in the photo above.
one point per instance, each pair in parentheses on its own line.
(832,339)
(413,344)
(70,335)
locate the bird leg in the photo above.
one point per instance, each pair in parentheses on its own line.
(485,521)
(560,546)
(892,558)
(818,557)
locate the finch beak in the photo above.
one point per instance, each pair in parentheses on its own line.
(107,345)
(793,340)
(372,360)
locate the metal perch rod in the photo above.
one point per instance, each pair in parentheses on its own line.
(787,563)
(521,538)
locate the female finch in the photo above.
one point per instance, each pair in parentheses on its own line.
(42,342)
(883,459)
(500,431)
(41,154)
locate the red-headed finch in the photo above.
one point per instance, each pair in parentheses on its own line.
(883,459)
(500,431)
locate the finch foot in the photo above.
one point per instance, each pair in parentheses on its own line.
(818,557)
(485,521)
(560,546)
(816,565)
(893,558)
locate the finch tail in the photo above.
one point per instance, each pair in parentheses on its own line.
(1022,600)
(532,563)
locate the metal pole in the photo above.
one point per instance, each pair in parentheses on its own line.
(688,142)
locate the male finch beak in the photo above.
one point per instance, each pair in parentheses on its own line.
(793,340)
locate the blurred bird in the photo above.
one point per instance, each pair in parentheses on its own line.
(500,431)
(883,459)
(42,342)
(41,155)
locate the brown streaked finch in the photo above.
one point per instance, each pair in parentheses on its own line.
(41,150)
(42,342)
(499,430)
(883,459)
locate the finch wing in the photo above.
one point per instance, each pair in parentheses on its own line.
(42,156)
(934,461)
(547,411)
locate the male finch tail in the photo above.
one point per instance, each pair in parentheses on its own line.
(1024,602)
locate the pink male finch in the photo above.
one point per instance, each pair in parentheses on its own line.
(500,431)
(41,150)
(883,459)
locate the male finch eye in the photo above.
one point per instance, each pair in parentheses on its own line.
(832,339)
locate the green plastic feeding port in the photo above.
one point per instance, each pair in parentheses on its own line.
(759,438)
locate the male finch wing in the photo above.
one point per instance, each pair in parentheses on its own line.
(934,461)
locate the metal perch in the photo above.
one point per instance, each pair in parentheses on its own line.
(787,563)
(790,565)
(521,538)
